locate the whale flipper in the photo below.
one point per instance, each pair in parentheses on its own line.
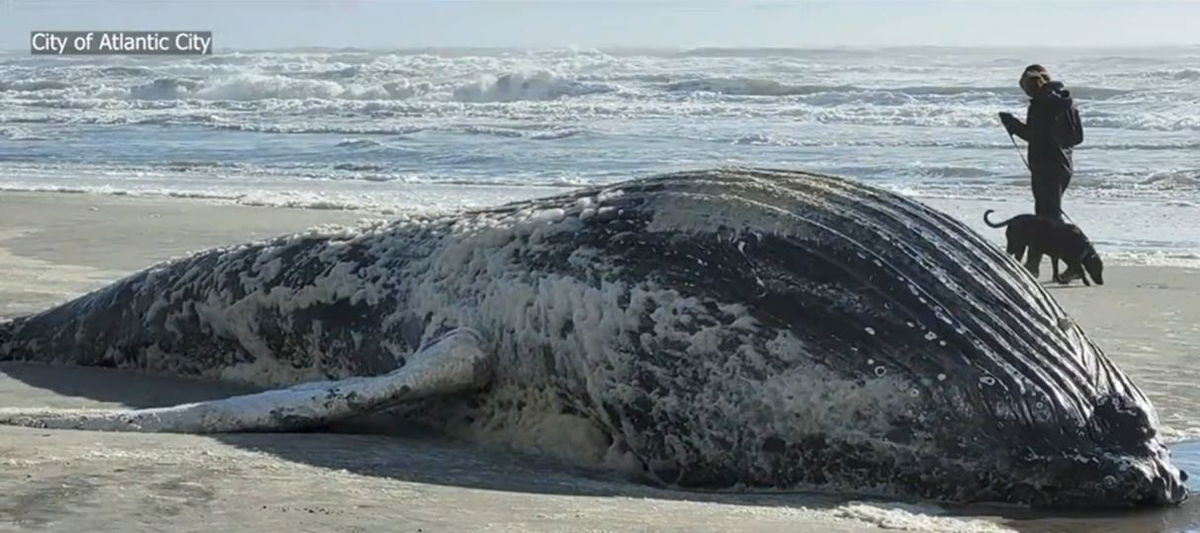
(450,364)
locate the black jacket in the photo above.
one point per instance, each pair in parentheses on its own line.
(1052,128)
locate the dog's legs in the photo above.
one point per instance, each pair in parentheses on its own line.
(1016,244)
(1082,274)
(1074,270)
(1033,264)
(1061,280)
(1016,249)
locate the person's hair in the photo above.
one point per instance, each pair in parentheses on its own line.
(1033,68)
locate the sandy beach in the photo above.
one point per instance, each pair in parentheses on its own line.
(57,246)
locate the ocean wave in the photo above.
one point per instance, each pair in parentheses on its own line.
(1166,185)
(378,117)
(662,77)
(947,171)
(33,85)
(762,139)
(238,175)
(188,166)
(249,87)
(551,135)
(359,167)
(531,133)
(126,71)
(20,134)
(71,104)
(1180,203)
(1173,180)
(296,200)
(1187,74)
(42,119)
(344,73)
(491,130)
(511,132)
(1179,74)
(765,139)
(1084,92)
(517,86)
(306,128)
(768,87)
(165,89)
(748,87)
(1157,258)
(259,87)
(961,116)
(328,200)
(1183,145)
(913,171)
(361,92)
(1176,188)
(358,143)
(713,51)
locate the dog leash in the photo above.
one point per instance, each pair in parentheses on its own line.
(1019,154)
(1022,156)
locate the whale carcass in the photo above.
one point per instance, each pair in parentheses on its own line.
(723,329)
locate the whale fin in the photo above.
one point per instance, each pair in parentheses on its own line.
(453,363)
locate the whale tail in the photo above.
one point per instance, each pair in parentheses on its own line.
(996,224)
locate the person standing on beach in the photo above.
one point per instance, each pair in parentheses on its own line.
(1052,128)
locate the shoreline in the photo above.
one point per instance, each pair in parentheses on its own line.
(1126,231)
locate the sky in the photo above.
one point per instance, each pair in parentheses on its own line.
(242,24)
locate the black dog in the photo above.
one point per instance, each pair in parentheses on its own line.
(1056,239)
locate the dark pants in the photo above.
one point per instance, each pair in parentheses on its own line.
(1048,191)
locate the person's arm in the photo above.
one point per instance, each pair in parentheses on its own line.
(1015,126)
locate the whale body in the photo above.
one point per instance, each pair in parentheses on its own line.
(722,329)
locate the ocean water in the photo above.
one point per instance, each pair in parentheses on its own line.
(404,129)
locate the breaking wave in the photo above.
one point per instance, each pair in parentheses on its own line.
(516,86)
(248,87)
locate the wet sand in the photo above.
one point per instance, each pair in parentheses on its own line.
(56,246)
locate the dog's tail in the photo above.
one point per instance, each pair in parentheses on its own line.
(996,225)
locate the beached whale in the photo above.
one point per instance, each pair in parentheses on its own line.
(724,329)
